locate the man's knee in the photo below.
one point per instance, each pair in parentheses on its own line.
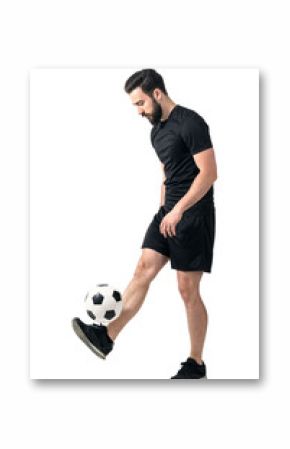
(189,289)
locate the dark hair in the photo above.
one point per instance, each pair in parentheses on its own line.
(147,79)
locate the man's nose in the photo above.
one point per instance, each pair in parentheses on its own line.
(140,111)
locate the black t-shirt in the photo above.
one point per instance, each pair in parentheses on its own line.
(183,134)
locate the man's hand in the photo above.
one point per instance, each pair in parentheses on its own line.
(169,222)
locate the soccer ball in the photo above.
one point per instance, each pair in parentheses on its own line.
(103,303)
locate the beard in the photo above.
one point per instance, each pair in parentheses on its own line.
(156,115)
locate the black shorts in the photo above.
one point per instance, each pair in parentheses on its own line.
(192,247)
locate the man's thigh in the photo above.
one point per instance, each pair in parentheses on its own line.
(192,247)
(153,238)
(151,262)
(189,279)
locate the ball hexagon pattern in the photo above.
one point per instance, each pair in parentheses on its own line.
(103,303)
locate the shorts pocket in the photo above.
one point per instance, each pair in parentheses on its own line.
(189,227)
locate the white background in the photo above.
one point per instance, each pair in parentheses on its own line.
(209,34)
(94,186)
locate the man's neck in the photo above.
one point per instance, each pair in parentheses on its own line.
(167,110)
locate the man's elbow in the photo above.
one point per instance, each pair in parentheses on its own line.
(211,176)
(215,177)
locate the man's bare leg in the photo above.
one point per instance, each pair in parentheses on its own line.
(189,286)
(149,264)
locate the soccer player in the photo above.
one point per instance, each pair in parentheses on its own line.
(182,230)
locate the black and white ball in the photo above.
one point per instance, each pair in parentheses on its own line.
(103,303)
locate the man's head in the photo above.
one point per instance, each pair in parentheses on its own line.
(147,91)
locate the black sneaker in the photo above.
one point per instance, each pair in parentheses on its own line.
(94,336)
(191,370)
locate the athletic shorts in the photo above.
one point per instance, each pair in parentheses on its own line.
(191,249)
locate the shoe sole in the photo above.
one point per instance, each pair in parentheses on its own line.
(85,340)
(201,378)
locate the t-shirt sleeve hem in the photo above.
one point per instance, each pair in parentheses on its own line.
(199,150)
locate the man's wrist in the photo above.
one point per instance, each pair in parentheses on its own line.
(179,208)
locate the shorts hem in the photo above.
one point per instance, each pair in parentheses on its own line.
(205,270)
(157,250)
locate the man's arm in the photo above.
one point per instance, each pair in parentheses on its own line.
(205,161)
(162,196)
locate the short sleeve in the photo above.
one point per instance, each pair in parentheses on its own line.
(195,133)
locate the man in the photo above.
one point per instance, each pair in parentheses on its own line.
(183,229)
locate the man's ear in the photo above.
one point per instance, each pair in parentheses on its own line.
(157,94)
